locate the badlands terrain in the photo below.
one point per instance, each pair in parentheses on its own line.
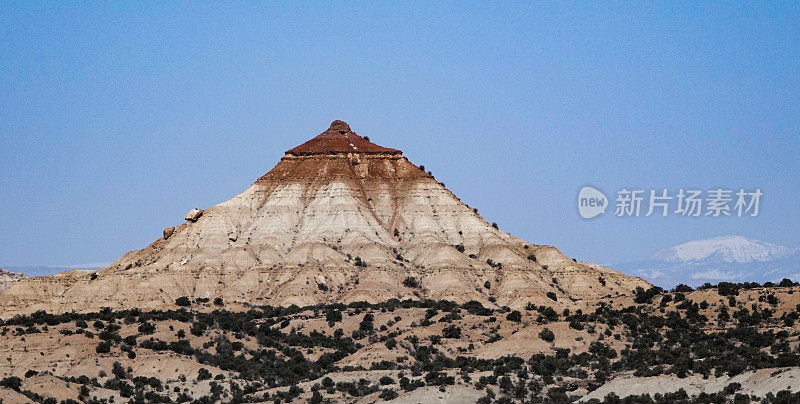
(349,274)
(339,219)
(730,343)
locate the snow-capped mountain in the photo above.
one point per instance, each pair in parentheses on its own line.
(729,259)
(727,249)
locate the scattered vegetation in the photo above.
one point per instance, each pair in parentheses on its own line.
(410,282)
(547,335)
(267,353)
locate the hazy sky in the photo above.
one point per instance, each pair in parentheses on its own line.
(116,120)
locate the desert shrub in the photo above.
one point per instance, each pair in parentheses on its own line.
(118,371)
(727,289)
(203,374)
(498,265)
(576,324)
(451,331)
(366,323)
(771,299)
(514,316)
(645,296)
(436,378)
(552,296)
(431,312)
(547,335)
(183,301)
(410,282)
(11,382)
(549,313)
(109,336)
(130,340)
(732,388)
(103,347)
(333,316)
(146,328)
(388,394)
(476,308)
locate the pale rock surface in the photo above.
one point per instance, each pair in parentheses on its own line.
(193,215)
(431,394)
(757,382)
(304,224)
(7,278)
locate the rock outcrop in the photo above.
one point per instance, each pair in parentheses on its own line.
(168,232)
(193,215)
(338,219)
(7,278)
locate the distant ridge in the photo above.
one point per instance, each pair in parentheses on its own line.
(718,259)
(727,249)
(44,270)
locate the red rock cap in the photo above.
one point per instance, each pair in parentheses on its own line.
(339,139)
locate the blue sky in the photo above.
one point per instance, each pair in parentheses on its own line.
(117,119)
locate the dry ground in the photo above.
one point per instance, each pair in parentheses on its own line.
(407,352)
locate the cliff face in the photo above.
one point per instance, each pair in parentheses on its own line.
(7,278)
(339,219)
